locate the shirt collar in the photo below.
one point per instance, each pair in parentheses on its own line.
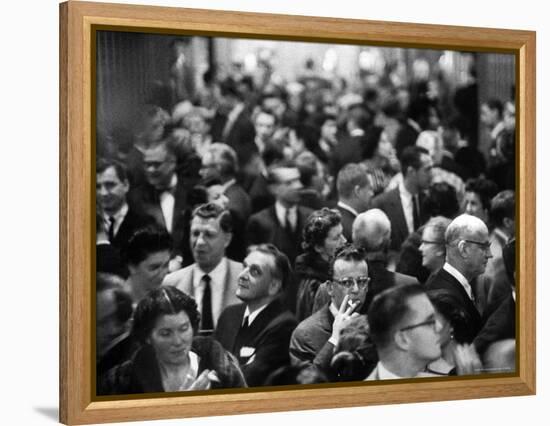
(403,192)
(385,374)
(217,275)
(281,212)
(348,208)
(253,315)
(119,215)
(459,277)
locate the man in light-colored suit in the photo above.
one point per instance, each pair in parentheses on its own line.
(212,279)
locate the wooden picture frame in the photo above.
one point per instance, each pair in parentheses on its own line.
(77,19)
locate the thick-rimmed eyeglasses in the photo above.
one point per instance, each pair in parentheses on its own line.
(349,282)
(431,322)
(485,246)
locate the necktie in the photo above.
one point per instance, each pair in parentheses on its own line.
(416,214)
(111,228)
(207,323)
(288,222)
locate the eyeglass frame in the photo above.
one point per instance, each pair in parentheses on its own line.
(355,282)
(486,246)
(432,322)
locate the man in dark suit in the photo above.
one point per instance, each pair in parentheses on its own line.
(350,144)
(316,337)
(467,251)
(220,162)
(258,330)
(281,224)
(354,194)
(232,124)
(402,205)
(371,233)
(164,195)
(119,220)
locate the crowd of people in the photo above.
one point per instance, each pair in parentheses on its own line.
(269,233)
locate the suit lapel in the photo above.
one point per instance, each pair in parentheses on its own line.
(399,216)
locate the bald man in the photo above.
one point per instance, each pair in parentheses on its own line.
(371,232)
(468,251)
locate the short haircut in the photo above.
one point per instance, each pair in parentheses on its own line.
(495,104)
(306,162)
(272,176)
(215,211)
(441,200)
(262,110)
(388,309)
(371,231)
(458,317)
(503,205)
(484,188)
(317,227)
(122,300)
(228,87)
(461,226)
(165,300)
(226,157)
(120,170)
(348,253)
(350,176)
(282,270)
(410,157)
(146,241)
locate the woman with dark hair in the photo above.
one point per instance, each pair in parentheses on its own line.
(147,254)
(379,158)
(321,236)
(458,356)
(478,196)
(171,358)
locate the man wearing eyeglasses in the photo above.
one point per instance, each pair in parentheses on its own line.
(468,250)
(405,331)
(316,337)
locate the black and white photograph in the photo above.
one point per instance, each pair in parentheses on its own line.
(287,213)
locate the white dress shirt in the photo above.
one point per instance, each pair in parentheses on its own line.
(282,212)
(460,278)
(217,285)
(167,203)
(253,315)
(407,204)
(118,216)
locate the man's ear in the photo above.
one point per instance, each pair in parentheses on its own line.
(330,287)
(462,248)
(275,287)
(401,339)
(228,238)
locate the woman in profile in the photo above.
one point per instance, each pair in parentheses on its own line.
(171,358)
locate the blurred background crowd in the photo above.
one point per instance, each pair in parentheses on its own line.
(273,212)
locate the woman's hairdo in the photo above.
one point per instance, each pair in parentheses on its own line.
(165,300)
(146,241)
(318,225)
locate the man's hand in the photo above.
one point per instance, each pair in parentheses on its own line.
(343,317)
